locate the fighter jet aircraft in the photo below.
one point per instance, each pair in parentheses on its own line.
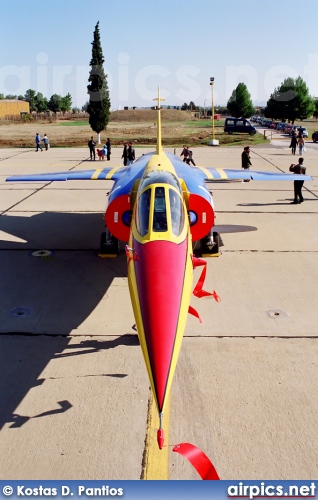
(161,207)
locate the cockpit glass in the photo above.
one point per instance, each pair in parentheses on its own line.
(177,212)
(142,214)
(160,213)
(161,219)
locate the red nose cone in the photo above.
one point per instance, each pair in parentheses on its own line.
(160,268)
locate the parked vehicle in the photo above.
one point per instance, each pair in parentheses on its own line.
(315,136)
(303,131)
(280,126)
(298,130)
(238,125)
(288,128)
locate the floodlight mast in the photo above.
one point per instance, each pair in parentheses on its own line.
(212,109)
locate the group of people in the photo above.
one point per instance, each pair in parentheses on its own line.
(297,141)
(296,169)
(102,153)
(38,141)
(128,155)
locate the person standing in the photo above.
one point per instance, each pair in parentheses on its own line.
(38,142)
(190,158)
(301,144)
(293,143)
(246,159)
(298,169)
(125,153)
(109,146)
(130,153)
(46,142)
(104,151)
(185,153)
(91,145)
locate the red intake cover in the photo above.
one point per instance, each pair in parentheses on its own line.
(114,214)
(205,216)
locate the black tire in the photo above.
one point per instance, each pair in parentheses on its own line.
(109,247)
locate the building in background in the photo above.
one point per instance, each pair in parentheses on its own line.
(13,107)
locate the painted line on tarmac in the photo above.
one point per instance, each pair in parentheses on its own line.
(155,461)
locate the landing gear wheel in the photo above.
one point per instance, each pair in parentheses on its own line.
(210,246)
(109,245)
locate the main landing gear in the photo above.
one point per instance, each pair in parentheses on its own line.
(109,245)
(209,246)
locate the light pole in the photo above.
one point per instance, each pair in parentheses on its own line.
(212,115)
(213,142)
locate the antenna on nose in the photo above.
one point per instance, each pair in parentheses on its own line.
(159,141)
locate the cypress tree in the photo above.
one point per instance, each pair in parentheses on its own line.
(99,102)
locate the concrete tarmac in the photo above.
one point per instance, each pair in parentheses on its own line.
(74,390)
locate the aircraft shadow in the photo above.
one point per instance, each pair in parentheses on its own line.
(287,202)
(44,299)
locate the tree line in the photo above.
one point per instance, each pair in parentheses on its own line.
(290,101)
(41,104)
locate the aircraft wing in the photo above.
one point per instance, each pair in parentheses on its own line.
(98,174)
(210,174)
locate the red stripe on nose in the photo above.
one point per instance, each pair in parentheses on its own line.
(160,269)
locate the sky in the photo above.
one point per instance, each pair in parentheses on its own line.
(175,44)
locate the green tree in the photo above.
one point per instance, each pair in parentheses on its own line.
(291,101)
(1,96)
(66,103)
(99,103)
(30,97)
(240,103)
(40,103)
(55,103)
(315,114)
(85,106)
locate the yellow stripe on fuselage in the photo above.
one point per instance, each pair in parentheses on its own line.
(133,289)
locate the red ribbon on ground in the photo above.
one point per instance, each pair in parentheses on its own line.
(198,289)
(194,312)
(198,459)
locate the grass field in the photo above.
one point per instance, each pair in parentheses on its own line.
(139,126)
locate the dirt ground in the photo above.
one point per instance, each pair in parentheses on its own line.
(139,126)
